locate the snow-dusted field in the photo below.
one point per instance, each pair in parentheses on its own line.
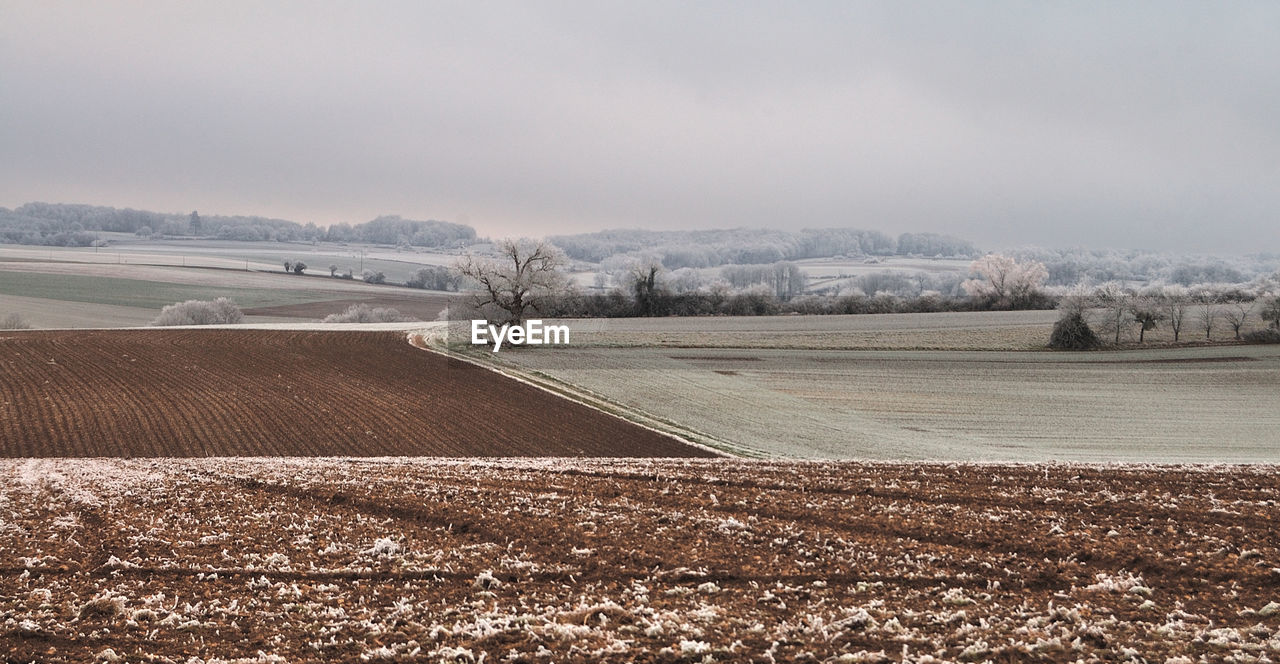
(555,560)
(1160,405)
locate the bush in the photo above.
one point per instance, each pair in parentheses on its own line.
(221,311)
(1268,335)
(363,313)
(373,277)
(1072,332)
(14,322)
(435,278)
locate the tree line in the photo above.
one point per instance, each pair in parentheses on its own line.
(712,248)
(78,225)
(1111,314)
(528,275)
(1068,267)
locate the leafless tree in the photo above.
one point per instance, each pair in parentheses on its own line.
(1237,313)
(1146,313)
(646,286)
(14,322)
(1003,279)
(1207,316)
(1078,300)
(788,279)
(524,272)
(1116,304)
(1271,312)
(1210,308)
(1175,301)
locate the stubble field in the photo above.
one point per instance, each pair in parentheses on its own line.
(225,560)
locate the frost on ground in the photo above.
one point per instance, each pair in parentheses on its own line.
(556,560)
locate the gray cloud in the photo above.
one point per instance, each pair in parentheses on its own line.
(1135,124)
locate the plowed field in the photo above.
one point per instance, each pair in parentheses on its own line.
(255,392)
(349,560)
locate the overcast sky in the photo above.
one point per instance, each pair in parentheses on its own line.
(1151,125)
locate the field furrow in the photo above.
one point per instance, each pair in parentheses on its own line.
(589,560)
(277,393)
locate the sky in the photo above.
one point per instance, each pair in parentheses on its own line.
(1150,125)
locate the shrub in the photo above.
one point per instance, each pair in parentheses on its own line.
(435,278)
(14,322)
(363,313)
(373,277)
(298,267)
(1072,332)
(200,312)
(1267,335)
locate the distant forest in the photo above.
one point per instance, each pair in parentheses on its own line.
(744,246)
(65,225)
(680,253)
(59,224)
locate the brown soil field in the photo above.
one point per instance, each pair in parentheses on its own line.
(195,393)
(425,306)
(558,560)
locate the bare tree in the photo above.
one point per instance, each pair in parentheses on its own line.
(646,285)
(1146,313)
(1115,302)
(1077,300)
(788,279)
(1005,280)
(1271,312)
(1207,315)
(524,272)
(1210,308)
(1175,301)
(1237,313)
(14,322)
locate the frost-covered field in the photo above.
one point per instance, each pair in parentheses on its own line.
(1208,404)
(69,291)
(554,560)
(984,330)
